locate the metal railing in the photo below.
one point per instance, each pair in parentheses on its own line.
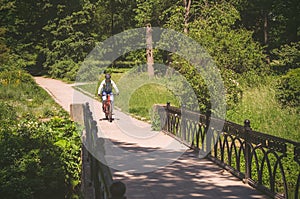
(96,178)
(268,163)
(100,177)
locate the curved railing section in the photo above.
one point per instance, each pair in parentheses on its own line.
(268,163)
(96,179)
(99,175)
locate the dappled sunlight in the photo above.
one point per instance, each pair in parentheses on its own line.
(187,177)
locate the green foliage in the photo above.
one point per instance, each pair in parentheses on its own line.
(232,48)
(40,152)
(274,22)
(70,40)
(34,165)
(260,106)
(4,50)
(288,89)
(142,101)
(8,115)
(150,12)
(64,69)
(15,62)
(196,81)
(175,15)
(235,53)
(15,78)
(286,57)
(50,32)
(19,90)
(144,12)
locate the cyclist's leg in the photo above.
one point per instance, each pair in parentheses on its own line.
(112,101)
(104,97)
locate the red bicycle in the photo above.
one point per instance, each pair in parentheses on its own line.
(107,108)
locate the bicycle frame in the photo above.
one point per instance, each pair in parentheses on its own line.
(108,108)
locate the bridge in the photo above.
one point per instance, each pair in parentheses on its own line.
(232,169)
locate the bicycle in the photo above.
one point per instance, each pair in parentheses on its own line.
(107,108)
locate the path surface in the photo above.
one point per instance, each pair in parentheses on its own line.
(152,164)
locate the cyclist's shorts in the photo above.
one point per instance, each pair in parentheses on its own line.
(104,96)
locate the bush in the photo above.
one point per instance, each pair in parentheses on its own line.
(7,113)
(288,89)
(15,77)
(64,69)
(40,160)
(286,57)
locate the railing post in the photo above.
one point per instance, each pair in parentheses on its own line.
(208,138)
(183,123)
(117,190)
(297,159)
(168,117)
(247,150)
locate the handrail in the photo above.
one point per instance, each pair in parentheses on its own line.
(261,160)
(97,181)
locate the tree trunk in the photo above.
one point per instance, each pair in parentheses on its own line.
(265,28)
(266,38)
(149,51)
(187,7)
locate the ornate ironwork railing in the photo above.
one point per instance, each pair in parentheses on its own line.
(96,178)
(99,176)
(268,163)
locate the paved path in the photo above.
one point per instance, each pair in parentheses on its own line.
(152,164)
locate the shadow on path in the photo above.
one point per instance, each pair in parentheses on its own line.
(187,177)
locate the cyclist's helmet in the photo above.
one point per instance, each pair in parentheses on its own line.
(107,76)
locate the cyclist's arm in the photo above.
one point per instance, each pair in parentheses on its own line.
(115,86)
(101,87)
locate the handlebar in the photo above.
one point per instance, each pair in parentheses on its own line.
(108,94)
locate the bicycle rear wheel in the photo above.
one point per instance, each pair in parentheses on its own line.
(110,112)
(106,110)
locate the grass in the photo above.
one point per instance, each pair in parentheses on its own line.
(33,130)
(143,99)
(26,97)
(259,105)
(137,96)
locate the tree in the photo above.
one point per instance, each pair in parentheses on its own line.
(152,12)
(70,37)
(187,7)
(286,57)
(213,25)
(274,22)
(4,50)
(149,50)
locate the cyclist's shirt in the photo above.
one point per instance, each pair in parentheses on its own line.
(107,87)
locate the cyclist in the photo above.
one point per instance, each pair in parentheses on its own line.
(105,88)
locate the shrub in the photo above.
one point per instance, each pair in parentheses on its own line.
(40,159)
(288,89)
(64,69)
(7,113)
(286,57)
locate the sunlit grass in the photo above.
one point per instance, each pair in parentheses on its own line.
(143,99)
(259,105)
(29,100)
